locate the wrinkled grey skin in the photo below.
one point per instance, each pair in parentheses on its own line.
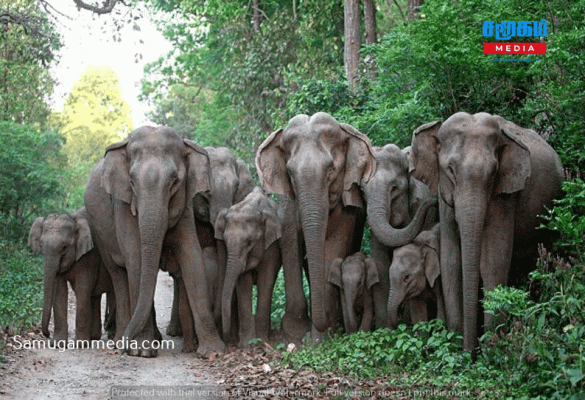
(413,278)
(493,179)
(318,165)
(65,242)
(231,183)
(139,202)
(250,231)
(355,276)
(398,208)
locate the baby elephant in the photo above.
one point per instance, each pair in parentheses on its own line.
(250,231)
(413,277)
(65,242)
(355,277)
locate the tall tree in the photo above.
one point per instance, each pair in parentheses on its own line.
(28,43)
(94,115)
(352,41)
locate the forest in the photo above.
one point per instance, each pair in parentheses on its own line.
(240,70)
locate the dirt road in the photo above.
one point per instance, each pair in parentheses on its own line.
(106,374)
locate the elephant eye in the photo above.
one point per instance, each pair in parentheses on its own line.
(406,278)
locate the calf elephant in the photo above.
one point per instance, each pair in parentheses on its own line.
(66,244)
(139,202)
(318,164)
(355,276)
(393,197)
(413,278)
(251,231)
(493,179)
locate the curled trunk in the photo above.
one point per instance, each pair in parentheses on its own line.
(379,217)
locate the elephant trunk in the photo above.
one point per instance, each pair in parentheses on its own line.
(152,223)
(233,270)
(379,216)
(51,267)
(314,212)
(394,302)
(349,315)
(470,215)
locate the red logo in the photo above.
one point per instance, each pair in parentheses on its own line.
(514,48)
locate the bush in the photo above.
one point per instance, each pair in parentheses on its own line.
(567,217)
(21,286)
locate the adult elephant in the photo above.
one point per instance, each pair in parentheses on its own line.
(493,178)
(398,208)
(232,182)
(138,200)
(319,165)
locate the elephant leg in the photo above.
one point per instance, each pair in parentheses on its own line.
(440,302)
(121,296)
(190,258)
(451,277)
(383,258)
(184,311)
(338,244)
(84,310)
(266,278)
(110,319)
(368,315)
(96,317)
(497,246)
(244,294)
(60,309)
(175,328)
(295,321)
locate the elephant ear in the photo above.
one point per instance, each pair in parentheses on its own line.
(220,221)
(34,236)
(272,228)
(334,276)
(514,160)
(245,182)
(271,166)
(360,165)
(424,161)
(116,176)
(371,272)
(430,250)
(84,241)
(199,181)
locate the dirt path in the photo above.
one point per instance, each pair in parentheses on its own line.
(105,374)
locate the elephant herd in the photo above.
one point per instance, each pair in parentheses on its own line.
(455,212)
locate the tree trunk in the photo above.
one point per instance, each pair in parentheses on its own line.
(256,16)
(413,8)
(352,41)
(370,21)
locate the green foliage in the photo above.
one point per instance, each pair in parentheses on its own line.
(540,345)
(29,182)
(567,217)
(21,286)
(28,43)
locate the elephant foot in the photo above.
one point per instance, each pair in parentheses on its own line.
(205,349)
(317,336)
(146,353)
(174,330)
(295,328)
